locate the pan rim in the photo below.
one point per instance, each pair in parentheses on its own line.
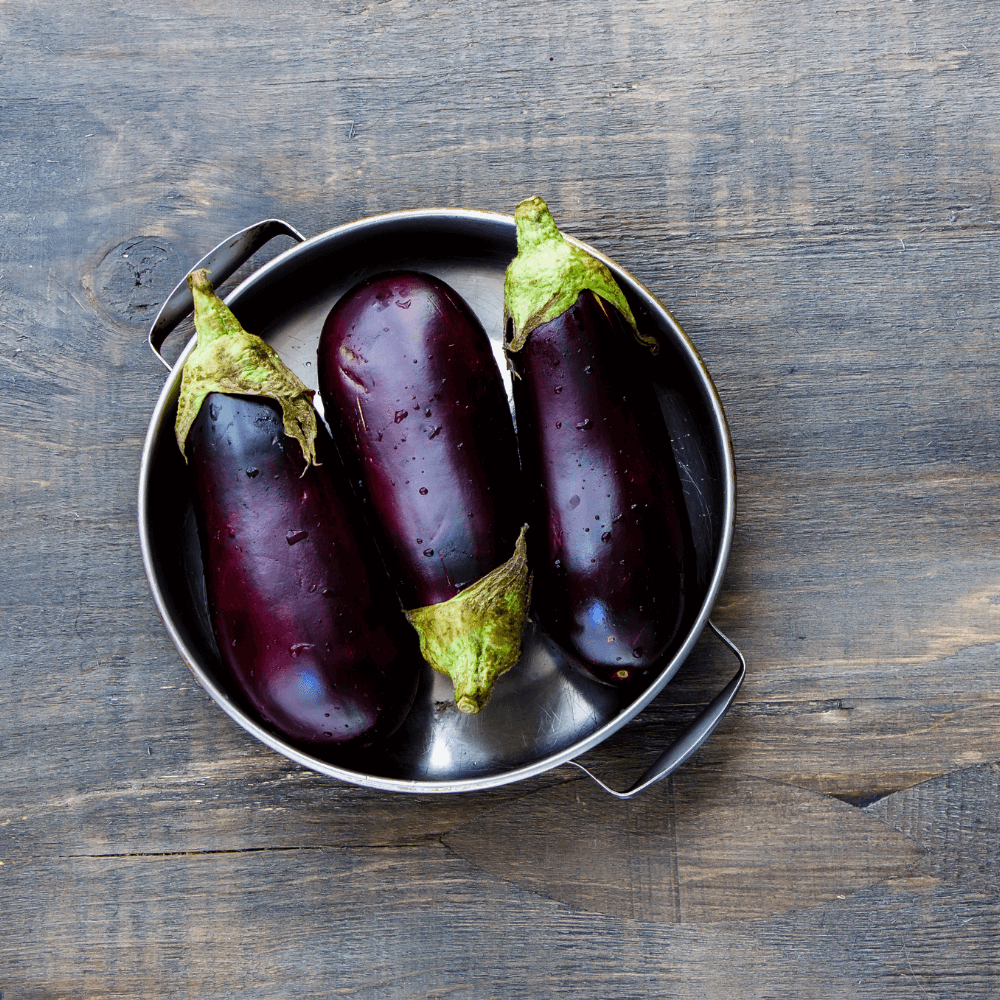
(720,431)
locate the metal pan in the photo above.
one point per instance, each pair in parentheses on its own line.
(544,712)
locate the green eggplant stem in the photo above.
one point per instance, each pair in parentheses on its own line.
(228,359)
(475,636)
(549,273)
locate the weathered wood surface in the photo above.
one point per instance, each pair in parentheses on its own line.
(813,190)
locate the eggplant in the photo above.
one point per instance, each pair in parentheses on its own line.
(305,617)
(612,547)
(414,398)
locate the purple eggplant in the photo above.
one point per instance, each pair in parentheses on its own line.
(413,394)
(304,614)
(597,458)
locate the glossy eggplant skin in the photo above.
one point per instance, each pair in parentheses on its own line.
(612,538)
(415,401)
(304,614)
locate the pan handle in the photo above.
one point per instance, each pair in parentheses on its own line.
(691,739)
(220,263)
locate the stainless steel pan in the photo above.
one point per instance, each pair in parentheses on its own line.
(543,712)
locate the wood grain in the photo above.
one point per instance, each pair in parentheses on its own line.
(813,191)
(250,922)
(957,818)
(710,847)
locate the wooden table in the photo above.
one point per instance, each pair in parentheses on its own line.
(813,190)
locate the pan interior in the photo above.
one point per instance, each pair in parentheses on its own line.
(542,712)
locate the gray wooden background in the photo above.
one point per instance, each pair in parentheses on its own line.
(813,191)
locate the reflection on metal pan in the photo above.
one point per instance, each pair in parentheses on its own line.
(542,713)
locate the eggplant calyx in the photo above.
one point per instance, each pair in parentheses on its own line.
(228,359)
(475,636)
(549,273)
